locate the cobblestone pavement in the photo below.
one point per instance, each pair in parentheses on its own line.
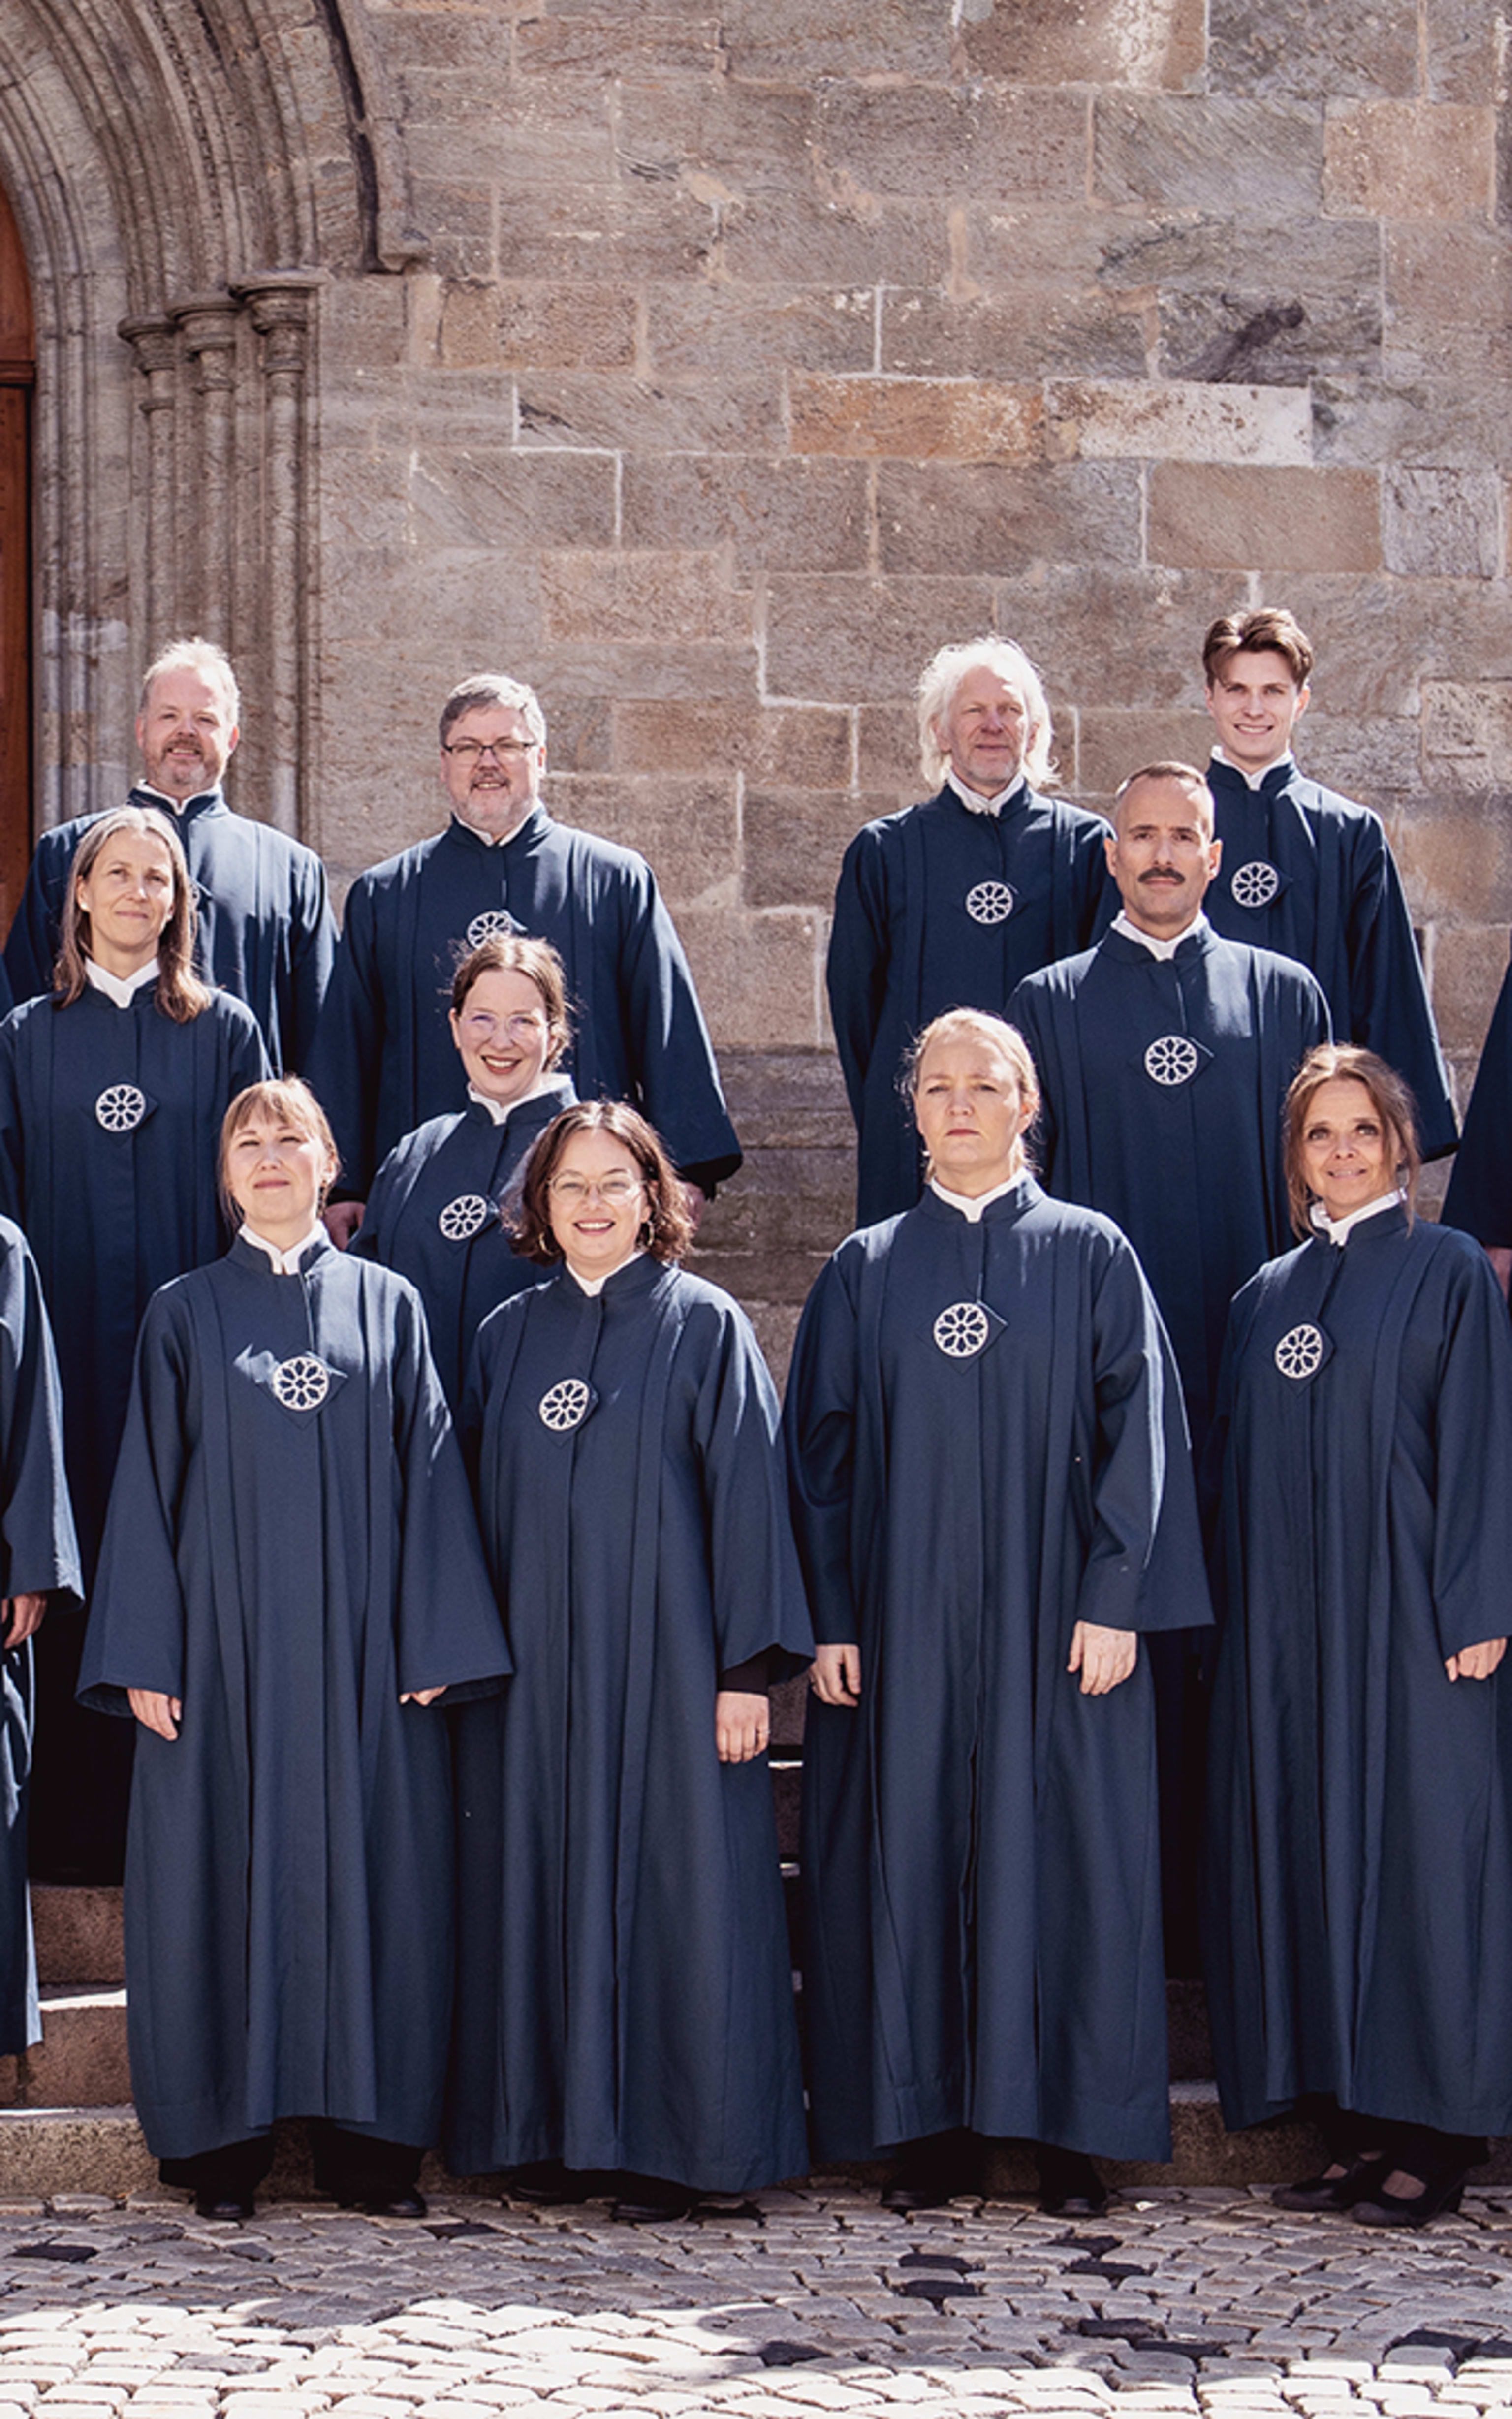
(815,2301)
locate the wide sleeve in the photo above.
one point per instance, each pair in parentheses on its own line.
(856,969)
(820,1427)
(1031,1012)
(1479,1199)
(345,1058)
(1144,1567)
(372,1240)
(1389,1008)
(1094,890)
(32,947)
(312,951)
(38,1550)
(672,1056)
(1473,1470)
(448,1632)
(135,1637)
(12,1124)
(247,1059)
(757,1591)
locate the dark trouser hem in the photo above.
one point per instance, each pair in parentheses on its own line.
(361,2166)
(232,2171)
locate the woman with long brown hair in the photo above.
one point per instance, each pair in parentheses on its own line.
(112,1093)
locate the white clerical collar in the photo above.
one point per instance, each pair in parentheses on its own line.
(175,807)
(502,1111)
(286,1264)
(1338,1231)
(497,840)
(122,989)
(596,1285)
(971,1206)
(1157,946)
(1252,781)
(973,800)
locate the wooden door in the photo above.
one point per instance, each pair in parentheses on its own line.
(18,369)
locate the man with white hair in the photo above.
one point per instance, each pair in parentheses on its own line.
(266,931)
(385,1059)
(952,903)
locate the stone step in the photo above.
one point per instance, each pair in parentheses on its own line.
(81,2061)
(78,1934)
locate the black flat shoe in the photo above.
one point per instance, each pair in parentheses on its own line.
(1440,2192)
(546,2183)
(1069,2185)
(651,2200)
(405,2204)
(210,2203)
(940,2168)
(1358,2182)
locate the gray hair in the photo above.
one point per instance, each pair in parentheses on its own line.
(201,656)
(943,675)
(493,690)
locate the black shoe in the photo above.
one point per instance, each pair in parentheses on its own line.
(652,2201)
(400,2204)
(209,2201)
(1069,2185)
(546,2183)
(942,2167)
(1358,2182)
(1443,2191)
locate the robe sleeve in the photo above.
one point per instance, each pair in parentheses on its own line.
(312,949)
(857,969)
(135,1637)
(1389,1010)
(370,1242)
(1031,1011)
(1144,1566)
(1479,1199)
(32,946)
(820,1424)
(40,1551)
(247,1059)
(669,1045)
(448,1632)
(1473,1475)
(757,1589)
(345,1060)
(13,1128)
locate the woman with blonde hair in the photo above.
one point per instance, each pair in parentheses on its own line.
(111,1092)
(1359,1915)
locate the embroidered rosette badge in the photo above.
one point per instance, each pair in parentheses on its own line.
(961,1331)
(565,1405)
(301,1382)
(463,1218)
(1172,1059)
(1254,884)
(490,926)
(1302,1351)
(990,903)
(120,1108)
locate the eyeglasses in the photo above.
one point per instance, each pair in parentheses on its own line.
(613,1190)
(522,1027)
(471,752)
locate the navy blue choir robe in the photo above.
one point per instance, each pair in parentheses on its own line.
(1164,1083)
(39,1556)
(986,1445)
(110,1122)
(1359,1932)
(288,1564)
(1479,1199)
(624,1995)
(938,908)
(433,1213)
(266,931)
(385,1061)
(1311,876)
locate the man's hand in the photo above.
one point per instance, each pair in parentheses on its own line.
(21,1617)
(156,1712)
(835,1675)
(1102,1656)
(422,1696)
(343,1219)
(1476,1662)
(742,1724)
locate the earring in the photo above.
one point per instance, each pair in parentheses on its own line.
(646,1236)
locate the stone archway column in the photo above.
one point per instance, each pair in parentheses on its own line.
(208,325)
(155,344)
(281,306)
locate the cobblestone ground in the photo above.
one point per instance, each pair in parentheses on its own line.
(1202,2302)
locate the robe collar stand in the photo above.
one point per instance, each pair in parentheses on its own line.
(553,1087)
(1338,1231)
(637,1274)
(1262,784)
(975,804)
(254,1251)
(1009,1200)
(531,829)
(204,802)
(1151,942)
(121,988)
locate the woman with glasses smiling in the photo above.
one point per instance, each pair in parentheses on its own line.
(435,1212)
(624,2002)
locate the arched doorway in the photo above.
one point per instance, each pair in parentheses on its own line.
(18,371)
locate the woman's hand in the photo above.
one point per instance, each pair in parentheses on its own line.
(20,1616)
(1104,1657)
(422,1696)
(1476,1662)
(156,1712)
(835,1675)
(742,1725)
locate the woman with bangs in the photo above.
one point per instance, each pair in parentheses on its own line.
(112,1093)
(436,1208)
(1359,1917)
(290,1578)
(624,1993)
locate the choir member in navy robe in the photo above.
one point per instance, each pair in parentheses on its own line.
(1479,1199)
(112,1093)
(994,1500)
(435,1212)
(625,1997)
(1360,1901)
(266,931)
(291,1577)
(1309,874)
(384,1060)
(1164,1056)
(38,1565)
(950,904)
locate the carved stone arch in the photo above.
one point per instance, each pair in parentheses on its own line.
(185,176)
